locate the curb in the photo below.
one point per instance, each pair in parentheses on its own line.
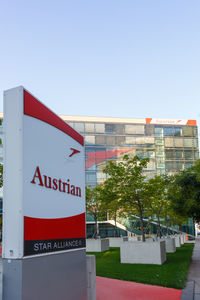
(188,291)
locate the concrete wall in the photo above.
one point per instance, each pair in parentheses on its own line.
(97,245)
(143,253)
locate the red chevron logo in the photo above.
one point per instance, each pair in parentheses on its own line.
(74,151)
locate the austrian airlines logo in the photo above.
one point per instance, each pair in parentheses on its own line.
(74,151)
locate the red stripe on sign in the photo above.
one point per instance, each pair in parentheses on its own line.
(35,109)
(63,228)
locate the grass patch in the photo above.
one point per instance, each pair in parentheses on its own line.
(172,273)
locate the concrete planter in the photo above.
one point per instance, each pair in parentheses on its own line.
(134,238)
(177,241)
(116,241)
(97,245)
(143,253)
(170,245)
(181,239)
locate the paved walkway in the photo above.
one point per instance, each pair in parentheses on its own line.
(108,289)
(192,289)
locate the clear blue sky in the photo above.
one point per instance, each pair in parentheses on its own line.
(127,58)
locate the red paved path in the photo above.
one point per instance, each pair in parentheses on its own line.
(113,289)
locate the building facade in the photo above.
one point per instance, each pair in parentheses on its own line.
(170,145)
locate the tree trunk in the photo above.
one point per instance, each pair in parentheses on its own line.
(96,232)
(166,223)
(115,224)
(141,221)
(159,231)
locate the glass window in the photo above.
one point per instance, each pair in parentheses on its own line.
(110,128)
(90,139)
(79,127)
(159,141)
(158,131)
(188,165)
(177,131)
(134,129)
(169,142)
(110,140)
(91,176)
(160,153)
(119,128)
(90,149)
(101,175)
(89,127)
(195,131)
(187,142)
(188,154)
(130,140)
(111,153)
(168,131)
(130,129)
(140,153)
(100,140)
(120,140)
(169,154)
(92,167)
(160,165)
(170,166)
(188,131)
(139,140)
(139,129)
(196,154)
(151,165)
(195,143)
(178,154)
(100,156)
(100,128)
(179,166)
(149,140)
(150,154)
(149,129)
(178,142)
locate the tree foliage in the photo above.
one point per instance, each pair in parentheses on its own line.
(158,202)
(129,185)
(94,204)
(184,192)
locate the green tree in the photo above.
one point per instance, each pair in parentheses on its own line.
(130,186)
(158,202)
(184,192)
(94,205)
(111,201)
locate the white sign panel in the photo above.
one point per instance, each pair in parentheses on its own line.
(44,181)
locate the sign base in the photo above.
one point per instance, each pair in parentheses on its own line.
(58,276)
